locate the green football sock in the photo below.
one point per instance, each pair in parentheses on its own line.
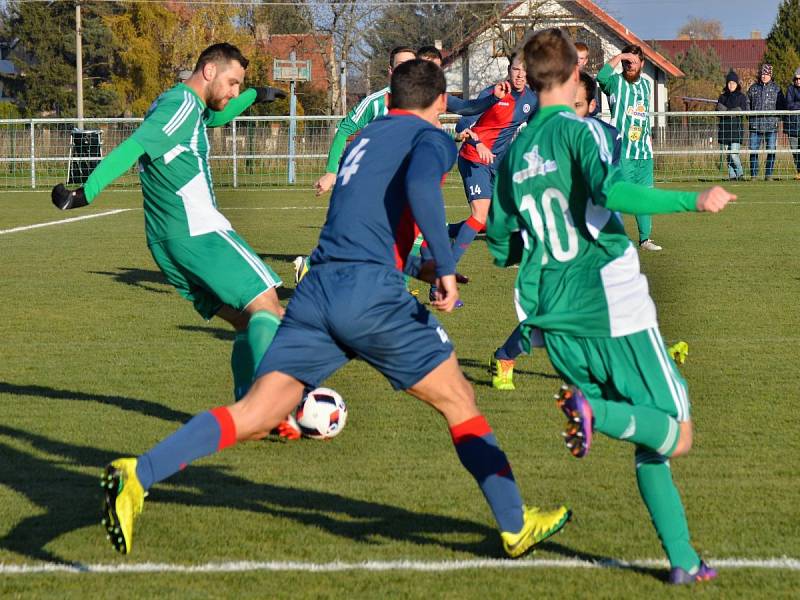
(241,365)
(645,225)
(642,425)
(260,332)
(654,477)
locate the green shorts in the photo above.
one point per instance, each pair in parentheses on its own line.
(214,269)
(637,170)
(634,368)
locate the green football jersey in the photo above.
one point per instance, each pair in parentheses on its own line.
(361,115)
(179,198)
(630,111)
(579,273)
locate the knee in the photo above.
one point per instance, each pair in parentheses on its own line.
(685,439)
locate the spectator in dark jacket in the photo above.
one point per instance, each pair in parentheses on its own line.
(792,123)
(731,129)
(764,94)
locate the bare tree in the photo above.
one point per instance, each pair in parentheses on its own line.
(697,28)
(345,24)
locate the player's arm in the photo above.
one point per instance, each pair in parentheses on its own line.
(608,188)
(358,118)
(606,76)
(241,103)
(483,102)
(115,164)
(432,157)
(502,226)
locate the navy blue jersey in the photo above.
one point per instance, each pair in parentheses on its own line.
(615,156)
(389,182)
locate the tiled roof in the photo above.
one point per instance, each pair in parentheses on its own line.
(597,13)
(736,54)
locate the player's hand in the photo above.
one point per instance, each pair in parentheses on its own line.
(714,199)
(268,94)
(501,89)
(325,183)
(65,199)
(446,293)
(633,59)
(484,153)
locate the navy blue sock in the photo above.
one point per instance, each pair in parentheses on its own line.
(466,234)
(453,229)
(512,347)
(205,434)
(478,451)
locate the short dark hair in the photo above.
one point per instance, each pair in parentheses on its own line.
(590,85)
(633,49)
(416,84)
(398,50)
(223,53)
(429,52)
(550,59)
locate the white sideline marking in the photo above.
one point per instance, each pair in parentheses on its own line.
(71,220)
(785,563)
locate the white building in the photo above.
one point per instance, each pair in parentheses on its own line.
(481,59)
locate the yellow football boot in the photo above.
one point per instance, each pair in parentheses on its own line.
(124,498)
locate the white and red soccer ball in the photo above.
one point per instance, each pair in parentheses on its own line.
(322,414)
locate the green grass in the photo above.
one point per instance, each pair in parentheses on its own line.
(101,358)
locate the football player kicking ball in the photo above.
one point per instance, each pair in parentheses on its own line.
(352,304)
(580,285)
(193,244)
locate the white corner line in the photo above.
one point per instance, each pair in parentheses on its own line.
(783,564)
(62,221)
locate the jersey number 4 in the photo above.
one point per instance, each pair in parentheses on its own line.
(557,221)
(350,166)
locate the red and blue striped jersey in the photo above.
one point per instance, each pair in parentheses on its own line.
(388,183)
(497,126)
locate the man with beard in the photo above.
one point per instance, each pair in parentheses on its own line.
(629,96)
(193,244)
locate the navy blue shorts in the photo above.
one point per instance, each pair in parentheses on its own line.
(478,179)
(339,312)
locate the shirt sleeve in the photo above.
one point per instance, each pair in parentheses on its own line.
(467,108)
(172,120)
(605,78)
(358,117)
(235,107)
(115,164)
(607,186)
(433,156)
(504,243)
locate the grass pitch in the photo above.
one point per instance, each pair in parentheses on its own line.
(100,358)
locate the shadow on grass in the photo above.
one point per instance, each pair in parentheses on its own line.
(138,278)
(68,500)
(477,364)
(142,407)
(219,333)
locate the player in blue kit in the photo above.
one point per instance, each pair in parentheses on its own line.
(353,303)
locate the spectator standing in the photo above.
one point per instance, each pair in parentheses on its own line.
(731,128)
(764,94)
(792,122)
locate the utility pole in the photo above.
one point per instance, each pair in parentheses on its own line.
(79,63)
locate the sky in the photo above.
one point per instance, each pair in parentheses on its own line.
(661,19)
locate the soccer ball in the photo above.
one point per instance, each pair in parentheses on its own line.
(322,414)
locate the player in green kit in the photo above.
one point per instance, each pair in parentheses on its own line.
(579,286)
(629,95)
(193,244)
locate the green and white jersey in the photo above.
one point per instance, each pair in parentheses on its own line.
(630,111)
(579,273)
(361,115)
(178,194)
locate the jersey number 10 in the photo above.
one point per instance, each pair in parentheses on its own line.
(556,219)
